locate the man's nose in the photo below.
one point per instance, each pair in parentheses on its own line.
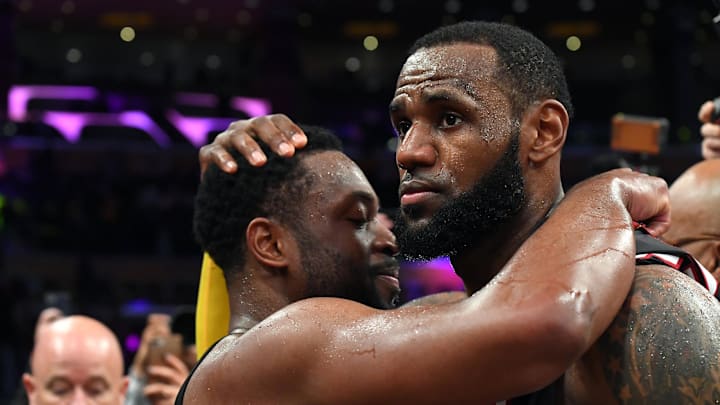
(80,397)
(384,241)
(416,148)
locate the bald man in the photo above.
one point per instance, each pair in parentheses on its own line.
(76,360)
(695,201)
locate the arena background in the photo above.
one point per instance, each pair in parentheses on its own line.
(105,103)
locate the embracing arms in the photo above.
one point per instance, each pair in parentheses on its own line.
(542,312)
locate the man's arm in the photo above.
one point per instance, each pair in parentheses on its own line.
(663,347)
(519,333)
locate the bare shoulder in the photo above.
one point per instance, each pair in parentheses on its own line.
(664,345)
(447,297)
(249,368)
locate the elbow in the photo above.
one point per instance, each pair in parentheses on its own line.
(558,338)
(568,336)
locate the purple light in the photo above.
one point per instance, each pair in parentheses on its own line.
(19,96)
(139,306)
(197,99)
(195,129)
(140,120)
(253,107)
(70,124)
(132,342)
(441,263)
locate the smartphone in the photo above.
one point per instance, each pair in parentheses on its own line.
(638,134)
(159,347)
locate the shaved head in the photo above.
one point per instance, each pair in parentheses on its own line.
(76,357)
(695,201)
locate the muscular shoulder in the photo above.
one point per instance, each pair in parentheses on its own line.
(249,368)
(664,345)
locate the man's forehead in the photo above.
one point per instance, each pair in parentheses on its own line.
(458,60)
(335,173)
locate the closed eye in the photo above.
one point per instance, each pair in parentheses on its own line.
(360,223)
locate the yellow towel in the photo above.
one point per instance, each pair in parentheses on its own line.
(212,317)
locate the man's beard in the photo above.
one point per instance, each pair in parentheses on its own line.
(330,275)
(465,220)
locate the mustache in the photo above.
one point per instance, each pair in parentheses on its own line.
(387,263)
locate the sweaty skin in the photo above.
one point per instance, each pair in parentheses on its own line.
(453,130)
(326,350)
(439,119)
(695,196)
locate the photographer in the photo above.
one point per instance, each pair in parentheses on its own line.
(163,360)
(710,129)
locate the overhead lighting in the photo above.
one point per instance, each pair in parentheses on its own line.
(573,43)
(370,42)
(352,64)
(213,62)
(127,34)
(73,55)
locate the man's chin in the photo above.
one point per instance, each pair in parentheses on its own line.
(413,219)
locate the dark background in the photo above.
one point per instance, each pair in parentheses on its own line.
(103,226)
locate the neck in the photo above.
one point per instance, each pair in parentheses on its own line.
(242,321)
(480,263)
(252,301)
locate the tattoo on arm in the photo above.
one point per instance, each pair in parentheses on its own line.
(664,345)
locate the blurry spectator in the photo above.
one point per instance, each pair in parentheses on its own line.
(47,316)
(76,359)
(695,227)
(163,360)
(710,129)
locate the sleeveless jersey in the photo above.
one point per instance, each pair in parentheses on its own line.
(649,250)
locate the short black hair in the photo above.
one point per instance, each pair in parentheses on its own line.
(528,69)
(226,203)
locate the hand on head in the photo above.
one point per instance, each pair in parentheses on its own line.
(277,131)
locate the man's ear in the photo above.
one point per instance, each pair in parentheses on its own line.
(124,384)
(268,242)
(550,123)
(29,384)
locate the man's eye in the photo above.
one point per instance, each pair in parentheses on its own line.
(402,127)
(450,120)
(360,223)
(95,391)
(60,390)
